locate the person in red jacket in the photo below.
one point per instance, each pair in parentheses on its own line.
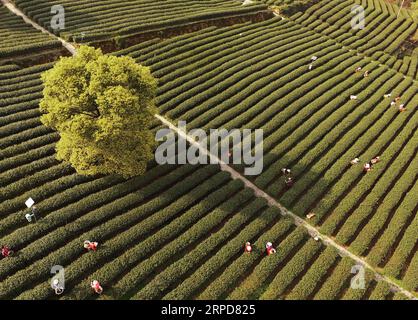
(95,285)
(90,245)
(269,248)
(6,252)
(248,247)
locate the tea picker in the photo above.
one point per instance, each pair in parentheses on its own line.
(58,288)
(6,252)
(90,245)
(286,171)
(375,160)
(355,161)
(248,248)
(30,216)
(270,249)
(367,167)
(313,59)
(288,181)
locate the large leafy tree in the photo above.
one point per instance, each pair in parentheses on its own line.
(101,106)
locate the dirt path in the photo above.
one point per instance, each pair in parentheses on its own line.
(236,175)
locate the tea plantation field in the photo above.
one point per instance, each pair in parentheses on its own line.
(18,38)
(316,131)
(176,232)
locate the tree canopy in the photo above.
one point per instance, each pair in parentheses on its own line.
(102,106)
